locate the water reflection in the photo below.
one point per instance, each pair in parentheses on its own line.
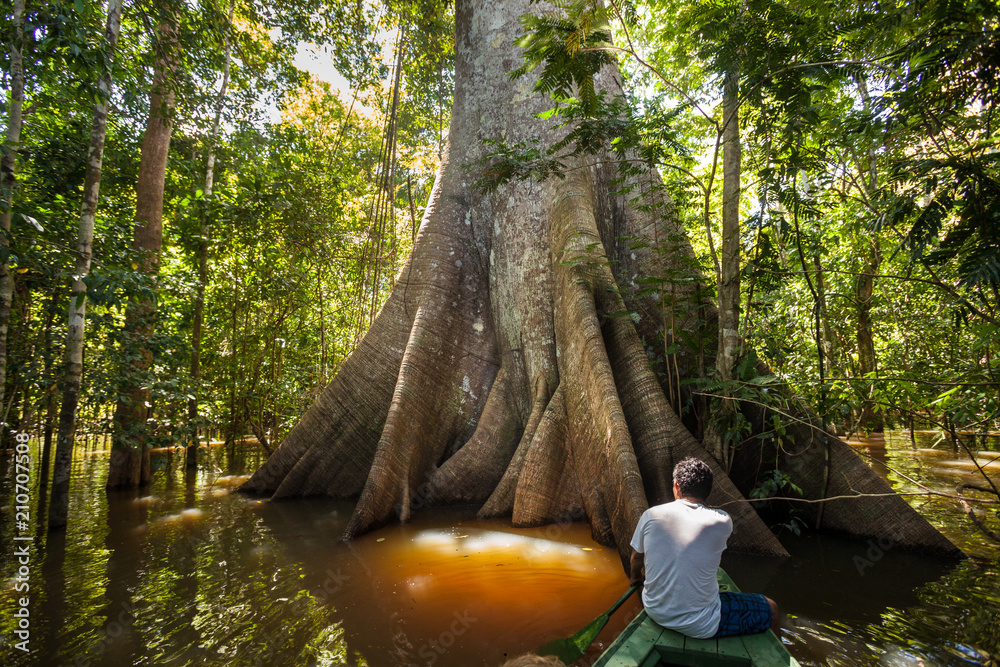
(937,466)
(449,590)
(188,572)
(875,604)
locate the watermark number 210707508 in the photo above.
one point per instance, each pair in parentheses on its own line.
(22,540)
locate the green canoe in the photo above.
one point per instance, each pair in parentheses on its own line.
(644,643)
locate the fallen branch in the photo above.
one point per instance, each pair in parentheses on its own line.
(259,434)
(772,409)
(971,514)
(812,501)
(982,472)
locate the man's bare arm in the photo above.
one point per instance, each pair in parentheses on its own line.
(637,574)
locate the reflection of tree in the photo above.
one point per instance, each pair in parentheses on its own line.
(53,583)
(251,607)
(828,568)
(181,558)
(334,574)
(126,544)
(841,616)
(958,615)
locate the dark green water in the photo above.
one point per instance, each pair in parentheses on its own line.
(188,572)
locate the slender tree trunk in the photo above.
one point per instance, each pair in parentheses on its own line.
(870,420)
(8,179)
(129,464)
(824,315)
(729,285)
(824,335)
(203,238)
(191,459)
(322,329)
(822,354)
(59,505)
(413,211)
(233,359)
(867,363)
(51,415)
(51,404)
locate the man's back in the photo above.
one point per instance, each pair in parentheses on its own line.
(683,543)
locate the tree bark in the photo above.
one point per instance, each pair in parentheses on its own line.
(865,290)
(129,464)
(507,367)
(8,179)
(203,238)
(729,283)
(867,364)
(51,404)
(59,505)
(824,315)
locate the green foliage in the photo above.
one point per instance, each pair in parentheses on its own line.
(571,45)
(864,127)
(286,220)
(947,194)
(776,483)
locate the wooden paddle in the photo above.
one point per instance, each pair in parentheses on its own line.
(570,649)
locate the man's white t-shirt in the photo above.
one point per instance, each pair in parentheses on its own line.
(683,544)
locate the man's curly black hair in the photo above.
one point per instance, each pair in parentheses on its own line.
(694,478)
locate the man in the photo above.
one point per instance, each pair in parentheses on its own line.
(684,541)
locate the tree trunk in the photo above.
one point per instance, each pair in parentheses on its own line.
(729,284)
(870,420)
(191,460)
(322,329)
(129,464)
(59,505)
(501,371)
(867,366)
(51,405)
(824,315)
(8,178)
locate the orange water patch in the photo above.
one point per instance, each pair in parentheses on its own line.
(487,585)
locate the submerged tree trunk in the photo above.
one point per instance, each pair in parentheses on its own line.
(129,464)
(59,506)
(507,368)
(51,405)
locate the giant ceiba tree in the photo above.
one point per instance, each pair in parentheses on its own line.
(500,371)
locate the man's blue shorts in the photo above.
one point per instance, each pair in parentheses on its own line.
(743,614)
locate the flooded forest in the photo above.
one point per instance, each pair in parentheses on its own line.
(361,333)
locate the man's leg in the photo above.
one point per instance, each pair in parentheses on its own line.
(746,614)
(775,625)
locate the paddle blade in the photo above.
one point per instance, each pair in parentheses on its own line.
(564,649)
(569,649)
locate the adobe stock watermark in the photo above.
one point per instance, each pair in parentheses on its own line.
(560,524)
(112,631)
(876,550)
(333,584)
(22,540)
(430,651)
